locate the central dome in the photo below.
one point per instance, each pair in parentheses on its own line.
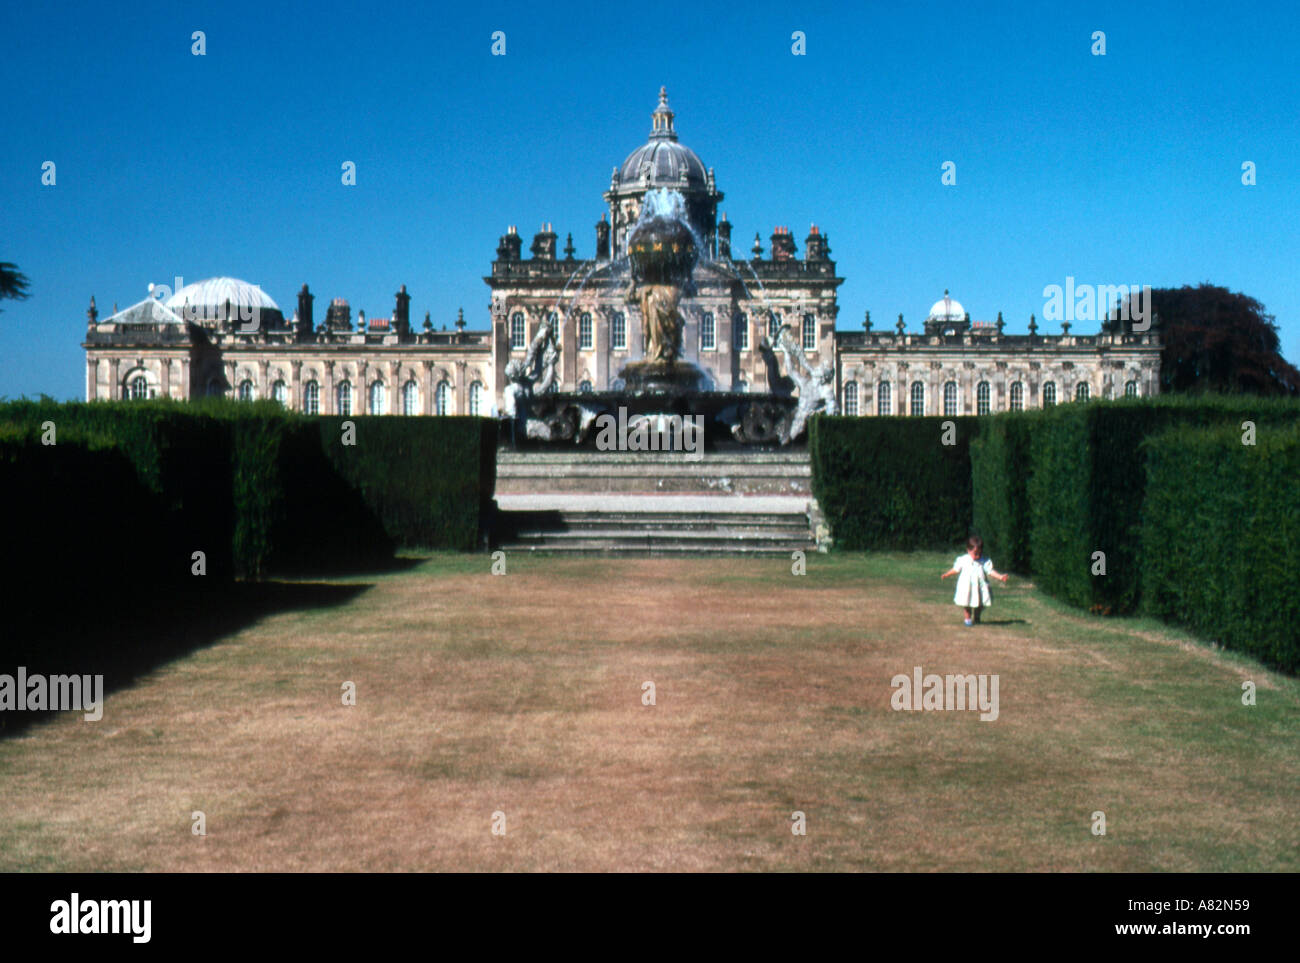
(662,161)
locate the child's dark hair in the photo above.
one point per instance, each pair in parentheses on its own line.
(976,543)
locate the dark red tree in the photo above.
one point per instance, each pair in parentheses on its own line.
(1215,340)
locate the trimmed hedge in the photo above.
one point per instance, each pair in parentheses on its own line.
(1220,537)
(77,518)
(430,481)
(179,453)
(1087,483)
(259,489)
(890,483)
(1000,469)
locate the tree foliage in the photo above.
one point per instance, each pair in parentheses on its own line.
(13,283)
(1216,340)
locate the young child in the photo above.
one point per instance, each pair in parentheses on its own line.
(973,571)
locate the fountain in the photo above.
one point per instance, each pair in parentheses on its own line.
(663,253)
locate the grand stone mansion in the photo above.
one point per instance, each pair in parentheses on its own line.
(224,336)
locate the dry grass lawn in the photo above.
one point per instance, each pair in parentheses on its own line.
(522,694)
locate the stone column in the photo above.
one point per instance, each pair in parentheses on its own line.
(92,378)
(295,389)
(328,389)
(461,394)
(600,341)
(264,389)
(427,402)
(361,405)
(114,379)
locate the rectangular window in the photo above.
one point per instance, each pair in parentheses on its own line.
(809,333)
(516,331)
(741,336)
(708,336)
(584,332)
(619,334)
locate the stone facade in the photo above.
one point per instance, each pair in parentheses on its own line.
(203,341)
(955,368)
(155,349)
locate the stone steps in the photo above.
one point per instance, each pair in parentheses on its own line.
(747,473)
(625,503)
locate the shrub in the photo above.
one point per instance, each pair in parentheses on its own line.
(1000,469)
(77,517)
(430,481)
(1220,537)
(1087,483)
(890,483)
(178,453)
(259,489)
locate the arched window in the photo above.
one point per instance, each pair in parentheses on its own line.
(517,335)
(378,398)
(1131,389)
(138,388)
(741,335)
(311,399)
(851,398)
(1082,391)
(476,398)
(809,333)
(773,325)
(343,399)
(950,398)
(585,339)
(982,398)
(708,332)
(442,398)
(1017,396)
(246,390)
(280,393)
(410,398)
(585,387)
(918,398)
(618,334)
(1049,394)
(883,401)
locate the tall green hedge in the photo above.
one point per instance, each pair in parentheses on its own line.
(261,490)
(892,483)
(179,453)
(77,518)
(1220,537)
(1000,469)
(1087,482)
(430,481)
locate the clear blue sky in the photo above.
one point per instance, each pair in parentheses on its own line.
(1117,169)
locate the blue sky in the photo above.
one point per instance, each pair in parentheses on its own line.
(1117,169)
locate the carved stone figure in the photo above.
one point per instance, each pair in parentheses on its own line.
(536,374)
(816,386)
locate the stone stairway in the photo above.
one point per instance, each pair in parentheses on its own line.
(623,503)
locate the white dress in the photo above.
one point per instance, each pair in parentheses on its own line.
(972,582)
